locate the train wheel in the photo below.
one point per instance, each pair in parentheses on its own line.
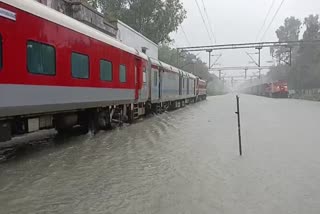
(183,103)
(148,108)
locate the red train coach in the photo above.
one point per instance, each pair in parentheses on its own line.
(56,72)
(275,89)
(279,89)
(51,63)
(201,89)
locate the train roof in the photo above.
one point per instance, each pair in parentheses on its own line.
(187,74)
(171,68)
(184,73)
(192,76)
(54,16)
(174,69)
(155,61)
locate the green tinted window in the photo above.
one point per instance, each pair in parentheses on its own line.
(144,75)
(105,70)
(41,58)
(0,51)
(123,73)
(155,78)
(80,66)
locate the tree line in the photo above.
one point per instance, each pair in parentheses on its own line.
(304,71)
(155,19)
(185,61)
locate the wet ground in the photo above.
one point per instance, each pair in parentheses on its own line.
(185,161)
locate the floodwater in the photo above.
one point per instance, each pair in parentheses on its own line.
(185,161)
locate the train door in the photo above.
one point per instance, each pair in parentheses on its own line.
(188,86)
(197,87)
(183,85)
(160,83)
(155,83)
(144,84)
(180,83)
(137,71)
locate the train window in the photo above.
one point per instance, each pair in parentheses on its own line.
(0,51)
(41,58)
(80,66)
(144,75)
(123,73)
(105,70)
(155,78)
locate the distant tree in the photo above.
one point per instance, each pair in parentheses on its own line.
(111,8)
(304,71)
(155,19)
(168,55)
(184,61)
(93,3)
(192,64)
(290,31)
(312,27)
(307,65)
(279,72)
(216,87)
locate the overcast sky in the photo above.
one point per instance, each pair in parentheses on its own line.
(237,21)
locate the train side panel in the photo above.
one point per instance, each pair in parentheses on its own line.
(56,72)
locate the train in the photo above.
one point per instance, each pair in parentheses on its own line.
(57,72)
(275,89)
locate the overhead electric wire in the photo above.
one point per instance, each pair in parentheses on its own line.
(185,35)
(209,22)
(203,20)
(273,18)
(265,19)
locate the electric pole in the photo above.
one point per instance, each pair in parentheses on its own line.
(209,51)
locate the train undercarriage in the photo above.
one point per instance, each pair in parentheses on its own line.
(279,95)
(89,120)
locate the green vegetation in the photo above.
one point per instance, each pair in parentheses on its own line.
(304,72)
(155,19)
(192,64)
(185,61)
(216,87)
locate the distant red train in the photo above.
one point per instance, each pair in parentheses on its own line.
(201,89)
(276,89)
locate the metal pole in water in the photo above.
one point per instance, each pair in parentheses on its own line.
(239,125)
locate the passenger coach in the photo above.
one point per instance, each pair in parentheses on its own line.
(58,72)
